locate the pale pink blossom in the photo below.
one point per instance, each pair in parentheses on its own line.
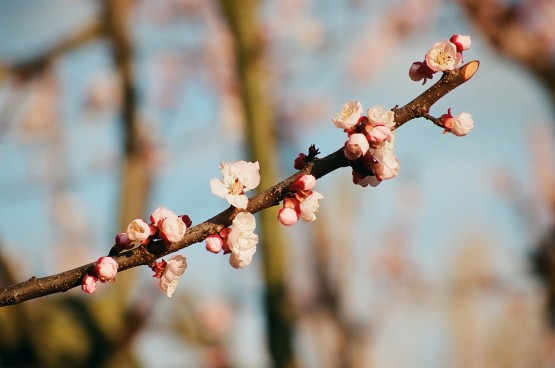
(303,182)
(386,165)
(160,214)
(349,115)
(214,243)
(106,269)
(88,284)
(138,230)
(239,177)
(364,181)
(310,206)
(172,229)
(175,267)
(386,171)
(378,115)
(462,42)
(384,153)
(378,135)
(356,146)
(241,259)
(462,124)
(288,216)
(242,240)
(443,56)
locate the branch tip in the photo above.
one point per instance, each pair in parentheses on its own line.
(470,69)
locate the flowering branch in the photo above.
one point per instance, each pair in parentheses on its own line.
(155,246)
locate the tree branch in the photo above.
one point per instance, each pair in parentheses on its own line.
(146,255)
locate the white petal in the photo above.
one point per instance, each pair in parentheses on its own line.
(218,188)
(238,201)
(171,288)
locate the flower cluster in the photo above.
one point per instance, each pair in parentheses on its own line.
(164,225)
(169,272)
(370,142)
(239,240)
(301,202)
(104,270)
(443,56)
(239,177)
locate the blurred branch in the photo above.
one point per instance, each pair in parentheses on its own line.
(27,69)
(504,24)
(136,180)
(145,255)
(508,26)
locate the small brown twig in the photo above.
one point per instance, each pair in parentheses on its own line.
(38,287)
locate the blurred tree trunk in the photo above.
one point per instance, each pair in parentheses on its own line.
(136,180)
(505,25)
(261,141)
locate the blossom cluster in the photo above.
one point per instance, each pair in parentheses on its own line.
(443,56)
(164,226)
(370,141)
(104,270)
(300,202)
(239,240)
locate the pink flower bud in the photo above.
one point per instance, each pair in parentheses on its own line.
(214,243)
(139,230)
(303,182)
(462,124)
(462,42)
(356,146)
(300,161)
(123,241)
(224,234)
(106,269)
(288,216)
(187,220)
(88,284)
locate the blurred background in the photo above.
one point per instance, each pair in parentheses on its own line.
(109,109)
